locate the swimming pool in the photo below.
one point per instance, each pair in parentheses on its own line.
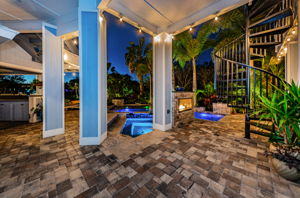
(208,116)
(132,109)
(137,125)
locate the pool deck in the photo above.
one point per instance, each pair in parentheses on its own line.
(200,159)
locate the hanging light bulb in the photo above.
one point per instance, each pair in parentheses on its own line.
(216,18)
(140,30)
(121,19)
(191,29)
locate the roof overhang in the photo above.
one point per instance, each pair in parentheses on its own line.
(171,16)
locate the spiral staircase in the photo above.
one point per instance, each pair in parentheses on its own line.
(240,84)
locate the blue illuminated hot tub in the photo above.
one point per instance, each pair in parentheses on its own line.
(208,116)
(137,124)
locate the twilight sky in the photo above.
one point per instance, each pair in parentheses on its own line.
(118,37)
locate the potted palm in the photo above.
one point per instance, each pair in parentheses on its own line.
(284,110)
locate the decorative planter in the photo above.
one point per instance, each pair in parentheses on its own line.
(285,171)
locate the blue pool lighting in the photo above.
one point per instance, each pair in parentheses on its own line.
(137,126)
(208,116)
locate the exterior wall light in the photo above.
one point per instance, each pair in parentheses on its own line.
(168,38)
(65,57)
(157,39)
(100,18)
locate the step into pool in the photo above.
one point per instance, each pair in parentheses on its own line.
(137,126)
(208,116)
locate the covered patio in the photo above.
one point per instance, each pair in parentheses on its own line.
(203,159)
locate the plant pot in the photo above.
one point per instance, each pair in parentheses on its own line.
(285,171)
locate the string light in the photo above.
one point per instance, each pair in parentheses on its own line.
(285,49)
(191,29)
(140,30)
(216,18)
(121,19)
(288,39)
(65,57)
(75,42)
(100,19)
(294,32)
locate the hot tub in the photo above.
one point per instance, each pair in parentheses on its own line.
(208,116)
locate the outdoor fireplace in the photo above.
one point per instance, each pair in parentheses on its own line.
(183,104)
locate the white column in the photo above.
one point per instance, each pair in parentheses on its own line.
(298,13)
(162,79)
(292,64)
(92,54)
(53,82)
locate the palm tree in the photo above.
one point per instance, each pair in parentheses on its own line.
(187,48)
(138,59)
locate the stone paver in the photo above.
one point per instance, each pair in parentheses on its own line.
(201,159)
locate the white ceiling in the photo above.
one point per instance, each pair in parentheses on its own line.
(154,16)
(47,10)
(168,15)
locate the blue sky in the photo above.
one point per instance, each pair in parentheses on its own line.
(119,35)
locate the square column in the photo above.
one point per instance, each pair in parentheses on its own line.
(93,74)
(292,68)
(162,79)
(53,82)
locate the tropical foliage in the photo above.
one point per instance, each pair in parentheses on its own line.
(205,97)
(13,84)
(72,89)
(122,86)
(284,110)
(138,58)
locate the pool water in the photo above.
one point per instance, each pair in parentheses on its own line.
(137,126)
(132,109)
(208,116)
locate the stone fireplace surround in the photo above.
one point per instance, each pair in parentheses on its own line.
(182,116)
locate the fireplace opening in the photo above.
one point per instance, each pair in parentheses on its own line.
(185,104)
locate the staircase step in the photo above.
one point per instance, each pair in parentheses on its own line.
(274,17)
(262,126)
(270,31)
(260,133)
(264,44)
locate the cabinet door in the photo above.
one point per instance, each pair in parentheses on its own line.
(20,112)
(5,111)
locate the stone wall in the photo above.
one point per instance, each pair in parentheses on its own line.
(184,116)
(221,108)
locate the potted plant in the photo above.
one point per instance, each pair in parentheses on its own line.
(284,111)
